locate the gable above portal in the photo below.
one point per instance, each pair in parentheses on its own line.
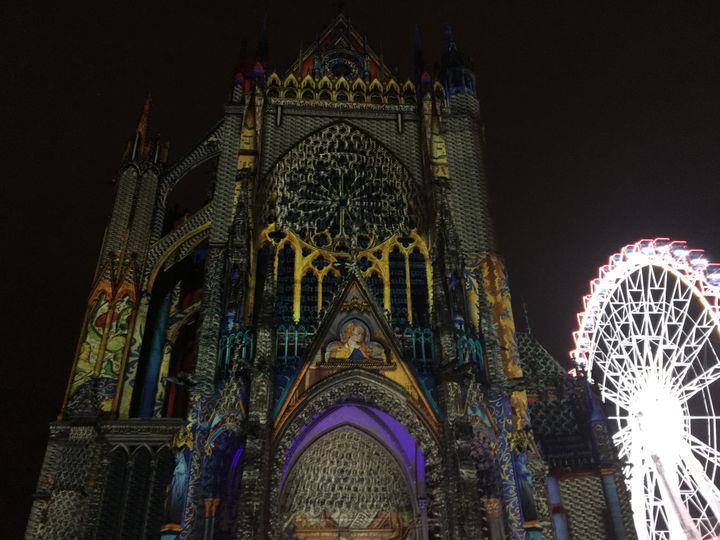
(353,336)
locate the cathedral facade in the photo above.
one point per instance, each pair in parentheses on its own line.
(326,347)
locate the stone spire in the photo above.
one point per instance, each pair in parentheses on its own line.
(456,71)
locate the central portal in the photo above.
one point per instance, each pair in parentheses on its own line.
(347,485)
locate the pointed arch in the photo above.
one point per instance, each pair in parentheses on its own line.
(376,86)
(392,86)
(308,94)
(290,93)
(173,296)
(342,84)
(325,82)
(357,387)
(354,307)
(273,80)
(308,82)
(392,92)
(375,92)
(439,91)
(408,86)
(291,140)
(359,85)
(380,483)
(291,81)
(113,489)
(136,494)
(162,472)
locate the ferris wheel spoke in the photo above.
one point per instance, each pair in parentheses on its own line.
(623,438)
(701,382)
(677,312)
(670,479)
(696,340)
(704,450)
(620,363)
(620,397)
(706,418)
(686,342)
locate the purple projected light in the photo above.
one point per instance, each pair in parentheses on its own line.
(236,458)
(377,423)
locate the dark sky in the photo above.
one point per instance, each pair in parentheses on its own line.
(602,124)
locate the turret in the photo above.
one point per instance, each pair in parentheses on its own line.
(129,226)
(468,192)
(113,300)
(456,71)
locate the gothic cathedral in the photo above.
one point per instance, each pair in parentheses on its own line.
(325,347)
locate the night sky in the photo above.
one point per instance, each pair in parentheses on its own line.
(602,127)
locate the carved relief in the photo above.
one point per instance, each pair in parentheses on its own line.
(346,481)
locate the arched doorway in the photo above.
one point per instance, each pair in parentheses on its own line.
(347,484)
(366,402)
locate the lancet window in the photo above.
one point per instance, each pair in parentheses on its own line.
(134,492)
(168,352)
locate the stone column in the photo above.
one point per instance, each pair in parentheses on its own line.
(253,513)
(493,513)
(215,266)
(470,519)
(210,506)
(539,471)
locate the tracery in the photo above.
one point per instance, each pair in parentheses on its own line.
(340,189)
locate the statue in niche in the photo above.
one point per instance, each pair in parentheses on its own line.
(479,418)
(519,405)
(177,491)
(524,477)
(354,344)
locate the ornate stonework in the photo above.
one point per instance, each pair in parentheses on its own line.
(339,186)
(326,348)
(346,480)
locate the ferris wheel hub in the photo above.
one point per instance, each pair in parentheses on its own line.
(660,419)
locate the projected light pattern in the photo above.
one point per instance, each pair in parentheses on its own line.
(650,335)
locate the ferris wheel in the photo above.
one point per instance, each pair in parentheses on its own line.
(650,335)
